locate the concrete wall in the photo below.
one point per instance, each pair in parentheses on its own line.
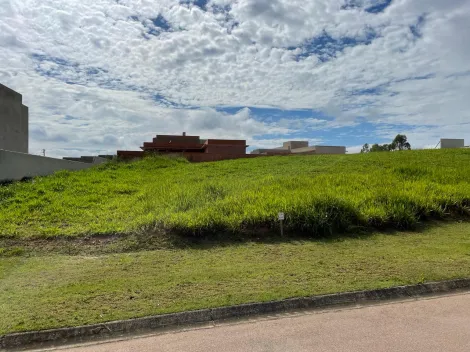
(15,166)
(271,151)
(300,147)
(305,150)
(13,121)
(295,144)
(452,143)
(90,159)
(319,149)
(327,149)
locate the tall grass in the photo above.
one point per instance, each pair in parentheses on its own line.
(318,194)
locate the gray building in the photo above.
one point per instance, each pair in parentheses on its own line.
(301,147)
(452,143)
(13,121)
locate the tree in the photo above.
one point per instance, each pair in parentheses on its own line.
(380,148)
(400,143)
(365,148)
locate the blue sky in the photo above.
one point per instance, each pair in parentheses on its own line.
(102,75)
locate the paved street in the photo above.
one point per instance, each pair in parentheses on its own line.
(432,324)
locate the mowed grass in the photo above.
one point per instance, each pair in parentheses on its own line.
(320,195)
(41,292)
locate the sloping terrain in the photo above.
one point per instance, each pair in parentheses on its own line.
(320,195)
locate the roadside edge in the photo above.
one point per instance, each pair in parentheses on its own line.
(82,333)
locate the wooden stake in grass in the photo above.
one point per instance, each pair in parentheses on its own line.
(281,219)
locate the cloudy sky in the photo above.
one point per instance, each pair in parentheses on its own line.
(102,75)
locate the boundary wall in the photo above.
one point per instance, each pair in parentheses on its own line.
(17,166)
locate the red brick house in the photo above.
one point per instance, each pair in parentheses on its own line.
(191,147)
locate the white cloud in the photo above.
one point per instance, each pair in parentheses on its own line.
(354,149)
(244,55)
(93,120)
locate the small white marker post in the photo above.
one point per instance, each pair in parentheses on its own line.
(281,219)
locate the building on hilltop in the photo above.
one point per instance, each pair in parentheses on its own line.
(196,149)
(191,147)
(300,147)
(193,144)
(13,121)
(447,143)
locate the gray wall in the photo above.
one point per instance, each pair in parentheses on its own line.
(280,151)
(15,166)
(295,144)
(452,143)
(320,149)
(303,150)
(13,121)
(327,149)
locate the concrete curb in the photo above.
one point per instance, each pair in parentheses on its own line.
(80,333)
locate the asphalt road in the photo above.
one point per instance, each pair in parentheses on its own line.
(432,324)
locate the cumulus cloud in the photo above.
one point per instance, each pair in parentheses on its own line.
(125,70)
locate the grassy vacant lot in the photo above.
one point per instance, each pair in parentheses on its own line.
(46,291)
(319,195)
(106,243)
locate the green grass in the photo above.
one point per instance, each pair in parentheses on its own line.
(105,243)
(47,291)
(320,195)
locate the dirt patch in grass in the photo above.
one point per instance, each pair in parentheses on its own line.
(161,240)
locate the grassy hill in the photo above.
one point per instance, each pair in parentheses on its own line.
(56,270)
(319,195)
